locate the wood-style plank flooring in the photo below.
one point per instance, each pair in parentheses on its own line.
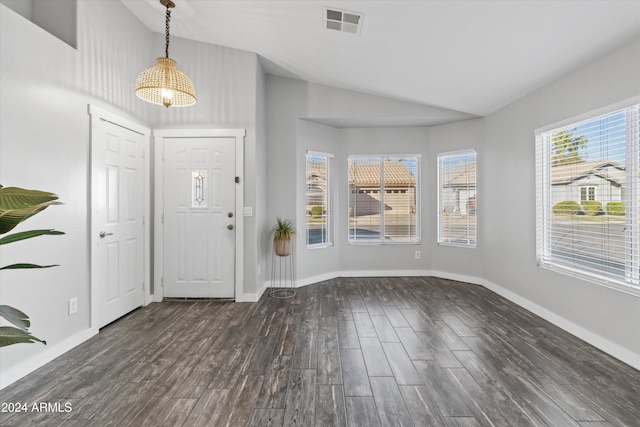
(347,352)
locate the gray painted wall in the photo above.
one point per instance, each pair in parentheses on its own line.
(400,258)
(316,137)
(44,119)
(509,241)
(44,144)
(504,259)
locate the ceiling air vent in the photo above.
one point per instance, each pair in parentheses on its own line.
(340,20)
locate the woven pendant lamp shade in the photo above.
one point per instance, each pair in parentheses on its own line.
(164,84)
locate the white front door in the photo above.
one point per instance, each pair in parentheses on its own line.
(118,206)
(199,217)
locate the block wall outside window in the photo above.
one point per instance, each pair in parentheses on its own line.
(384,199)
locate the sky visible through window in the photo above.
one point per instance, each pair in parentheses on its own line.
(605,136)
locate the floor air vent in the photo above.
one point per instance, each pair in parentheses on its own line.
(340,20)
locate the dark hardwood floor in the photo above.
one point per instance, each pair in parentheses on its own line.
(351,351)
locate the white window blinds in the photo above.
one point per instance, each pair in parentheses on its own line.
(587,197)
(318,199)
(457,198)
(384,200)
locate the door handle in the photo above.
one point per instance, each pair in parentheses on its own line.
(105,234)
(230,227)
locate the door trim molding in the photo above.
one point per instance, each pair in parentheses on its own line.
(97,114)
(158,230)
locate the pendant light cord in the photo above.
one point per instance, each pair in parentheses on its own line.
(168,19)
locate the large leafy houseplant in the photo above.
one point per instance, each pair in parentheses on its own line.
(17,205)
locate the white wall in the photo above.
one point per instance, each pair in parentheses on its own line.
(464,262)
(260,242)
(226,82)
(607,317)
(286,102)
(313,264)
(291,101)
(393,259)
(504,259)
(44,144)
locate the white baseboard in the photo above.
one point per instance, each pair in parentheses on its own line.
(621,353)
(253,297)
(316,279)
(29,365)
(13,374)
(353,273)
(598,341)
(384,273)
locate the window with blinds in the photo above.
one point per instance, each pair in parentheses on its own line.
(457,198)
(384,201)
(318,199)
(587,197)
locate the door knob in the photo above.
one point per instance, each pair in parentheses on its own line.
(105,234)
(230,227)
(230,214)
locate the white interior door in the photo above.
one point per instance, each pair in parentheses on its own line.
(199,217)
(118,206)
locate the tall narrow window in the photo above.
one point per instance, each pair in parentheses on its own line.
(588,199)
(457,198)
(318,199)
(384,202)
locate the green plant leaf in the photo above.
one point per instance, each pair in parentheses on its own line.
(10,335)
(15,316)
(18,204)
(283,230)
(23,265)
(27,235)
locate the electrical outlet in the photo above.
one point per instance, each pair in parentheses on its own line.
(73,306)
(417,254)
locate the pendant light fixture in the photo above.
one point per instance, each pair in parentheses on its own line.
(163,83)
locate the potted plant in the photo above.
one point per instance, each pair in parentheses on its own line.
(283,232)
(17,205)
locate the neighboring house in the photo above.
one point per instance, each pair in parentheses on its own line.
(585,181)
(364,186)
(459,190)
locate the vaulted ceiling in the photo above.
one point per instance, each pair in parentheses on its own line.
(471,56)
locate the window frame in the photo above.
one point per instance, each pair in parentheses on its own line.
(587,193)
(631,188)
(382,241)
(329,241)
(439,239)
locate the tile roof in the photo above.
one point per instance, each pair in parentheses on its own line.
(367,174)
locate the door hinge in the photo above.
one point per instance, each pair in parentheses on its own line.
(142,219)
(143,154)
(162,218)
(162,281)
